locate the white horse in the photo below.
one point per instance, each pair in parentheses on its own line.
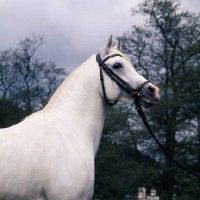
(50,155)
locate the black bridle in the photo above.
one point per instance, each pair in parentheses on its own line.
(134,95)
(132,92)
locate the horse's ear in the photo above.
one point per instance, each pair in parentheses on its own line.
(118,45)
(105,50)
(109,43)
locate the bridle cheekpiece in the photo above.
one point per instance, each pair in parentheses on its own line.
(132,92)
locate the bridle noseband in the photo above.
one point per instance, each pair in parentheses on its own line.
(132,92)
(134,95)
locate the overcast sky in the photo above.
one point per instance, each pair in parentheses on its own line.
(73,30)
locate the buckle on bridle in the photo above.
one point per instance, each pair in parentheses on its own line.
(134,95)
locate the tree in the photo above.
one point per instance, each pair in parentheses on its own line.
(120,166)
(167,51)
(10,113)
(26,80)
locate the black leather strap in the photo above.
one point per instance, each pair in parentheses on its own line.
(120,82)
(142,115)
(104,90)
(142,85)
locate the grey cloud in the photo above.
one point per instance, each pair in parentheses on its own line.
(73,30)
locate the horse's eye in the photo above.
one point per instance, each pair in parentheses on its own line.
(117,66)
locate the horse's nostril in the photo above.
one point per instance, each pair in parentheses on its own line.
(151,89)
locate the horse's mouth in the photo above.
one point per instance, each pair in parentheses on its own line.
(147,103)
(149,95)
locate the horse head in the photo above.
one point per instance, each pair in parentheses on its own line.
(129,84)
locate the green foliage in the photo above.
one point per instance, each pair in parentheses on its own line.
(114,174)
(121,166)
(26,80)
(10,114)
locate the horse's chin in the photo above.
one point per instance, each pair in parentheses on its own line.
(147,103)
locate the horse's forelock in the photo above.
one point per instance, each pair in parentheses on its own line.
(112,51)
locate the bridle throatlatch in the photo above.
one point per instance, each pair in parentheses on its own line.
(120,82)
(135,95)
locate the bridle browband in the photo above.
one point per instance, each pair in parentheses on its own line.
(134,95)
(132,92)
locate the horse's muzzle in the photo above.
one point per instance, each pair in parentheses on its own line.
(149,95)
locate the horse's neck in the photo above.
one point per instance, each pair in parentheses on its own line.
(78,104)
